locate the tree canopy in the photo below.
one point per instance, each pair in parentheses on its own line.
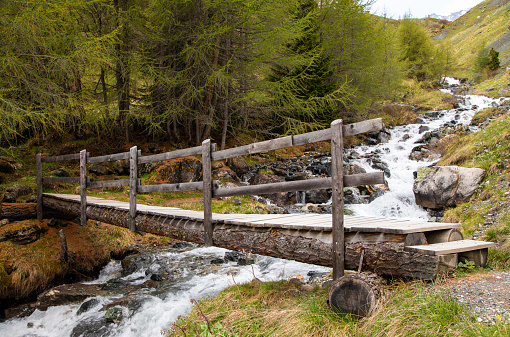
(186,70)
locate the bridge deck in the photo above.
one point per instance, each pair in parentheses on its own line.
(310,222)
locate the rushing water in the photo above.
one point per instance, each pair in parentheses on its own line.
(153,310)
(399,202)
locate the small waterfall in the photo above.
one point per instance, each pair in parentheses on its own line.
(300,198)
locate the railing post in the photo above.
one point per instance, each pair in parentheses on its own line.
(207,176)
(38,165)
(133,180)
(337,168)
(83,187)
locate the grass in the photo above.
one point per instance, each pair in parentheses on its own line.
(489,208)
(279,309)
(477,29)
(247,205)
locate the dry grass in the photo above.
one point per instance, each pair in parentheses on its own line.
(279,309)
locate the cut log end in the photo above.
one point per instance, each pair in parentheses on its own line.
(355,294)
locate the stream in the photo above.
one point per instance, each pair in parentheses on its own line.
(185,272)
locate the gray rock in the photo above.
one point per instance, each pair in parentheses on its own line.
(121,167)
(60,172)
(318,196)
(238,165)
(423,128)
(183,171)
(67,293)
(93,327)
(87,305)
(12,193)
(352,196)
(441,186)
(24,235)
(99,170)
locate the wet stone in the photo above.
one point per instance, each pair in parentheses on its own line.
(114,315)
(87,305)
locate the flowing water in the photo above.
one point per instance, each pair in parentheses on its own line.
(399,202)
(195,277)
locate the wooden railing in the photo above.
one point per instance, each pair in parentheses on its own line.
(211,189)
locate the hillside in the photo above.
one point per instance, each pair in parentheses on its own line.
(485,25)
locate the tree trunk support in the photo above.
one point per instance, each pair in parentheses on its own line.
(337,198)
(83,187)
(207,176)
(133,174)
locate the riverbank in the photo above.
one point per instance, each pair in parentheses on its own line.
(28,268)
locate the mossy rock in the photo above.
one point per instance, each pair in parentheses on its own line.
(22,233)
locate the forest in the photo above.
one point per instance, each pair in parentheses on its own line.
(186,70)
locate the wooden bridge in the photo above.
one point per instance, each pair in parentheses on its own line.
(387,246)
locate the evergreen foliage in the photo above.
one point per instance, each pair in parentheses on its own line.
(186,70)
(487,60)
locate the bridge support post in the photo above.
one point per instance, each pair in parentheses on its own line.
(38,164)
(337,198)
(133,175)
(207,176)
(83,187)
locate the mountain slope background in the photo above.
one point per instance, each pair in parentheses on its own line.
(486,25)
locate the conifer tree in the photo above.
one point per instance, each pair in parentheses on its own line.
(311,80)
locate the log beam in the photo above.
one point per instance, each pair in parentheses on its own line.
(383,256)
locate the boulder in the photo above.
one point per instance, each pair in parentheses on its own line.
(180,171)
(442,186)
(60,172)
(223,174)
(15,191)
(318,196)
(238,165)
(6,165)
(67,293)
(121,167)
(21,233)
(98,169)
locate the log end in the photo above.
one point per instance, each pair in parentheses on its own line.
(355,294)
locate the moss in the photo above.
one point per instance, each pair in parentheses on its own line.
(424,171)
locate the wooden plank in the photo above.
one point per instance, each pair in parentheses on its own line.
(451,247)
(362,179)
(372,178)
(231,153)
(74,156)
(312,137)
(370,125)
(83,187)
(272,144)
(399,228)
(337,198)
(39,181)
(207,175)
(133,184)
(110,183)
(54,180)
(109,157)
(194,186)
(288,186)
(192,151)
